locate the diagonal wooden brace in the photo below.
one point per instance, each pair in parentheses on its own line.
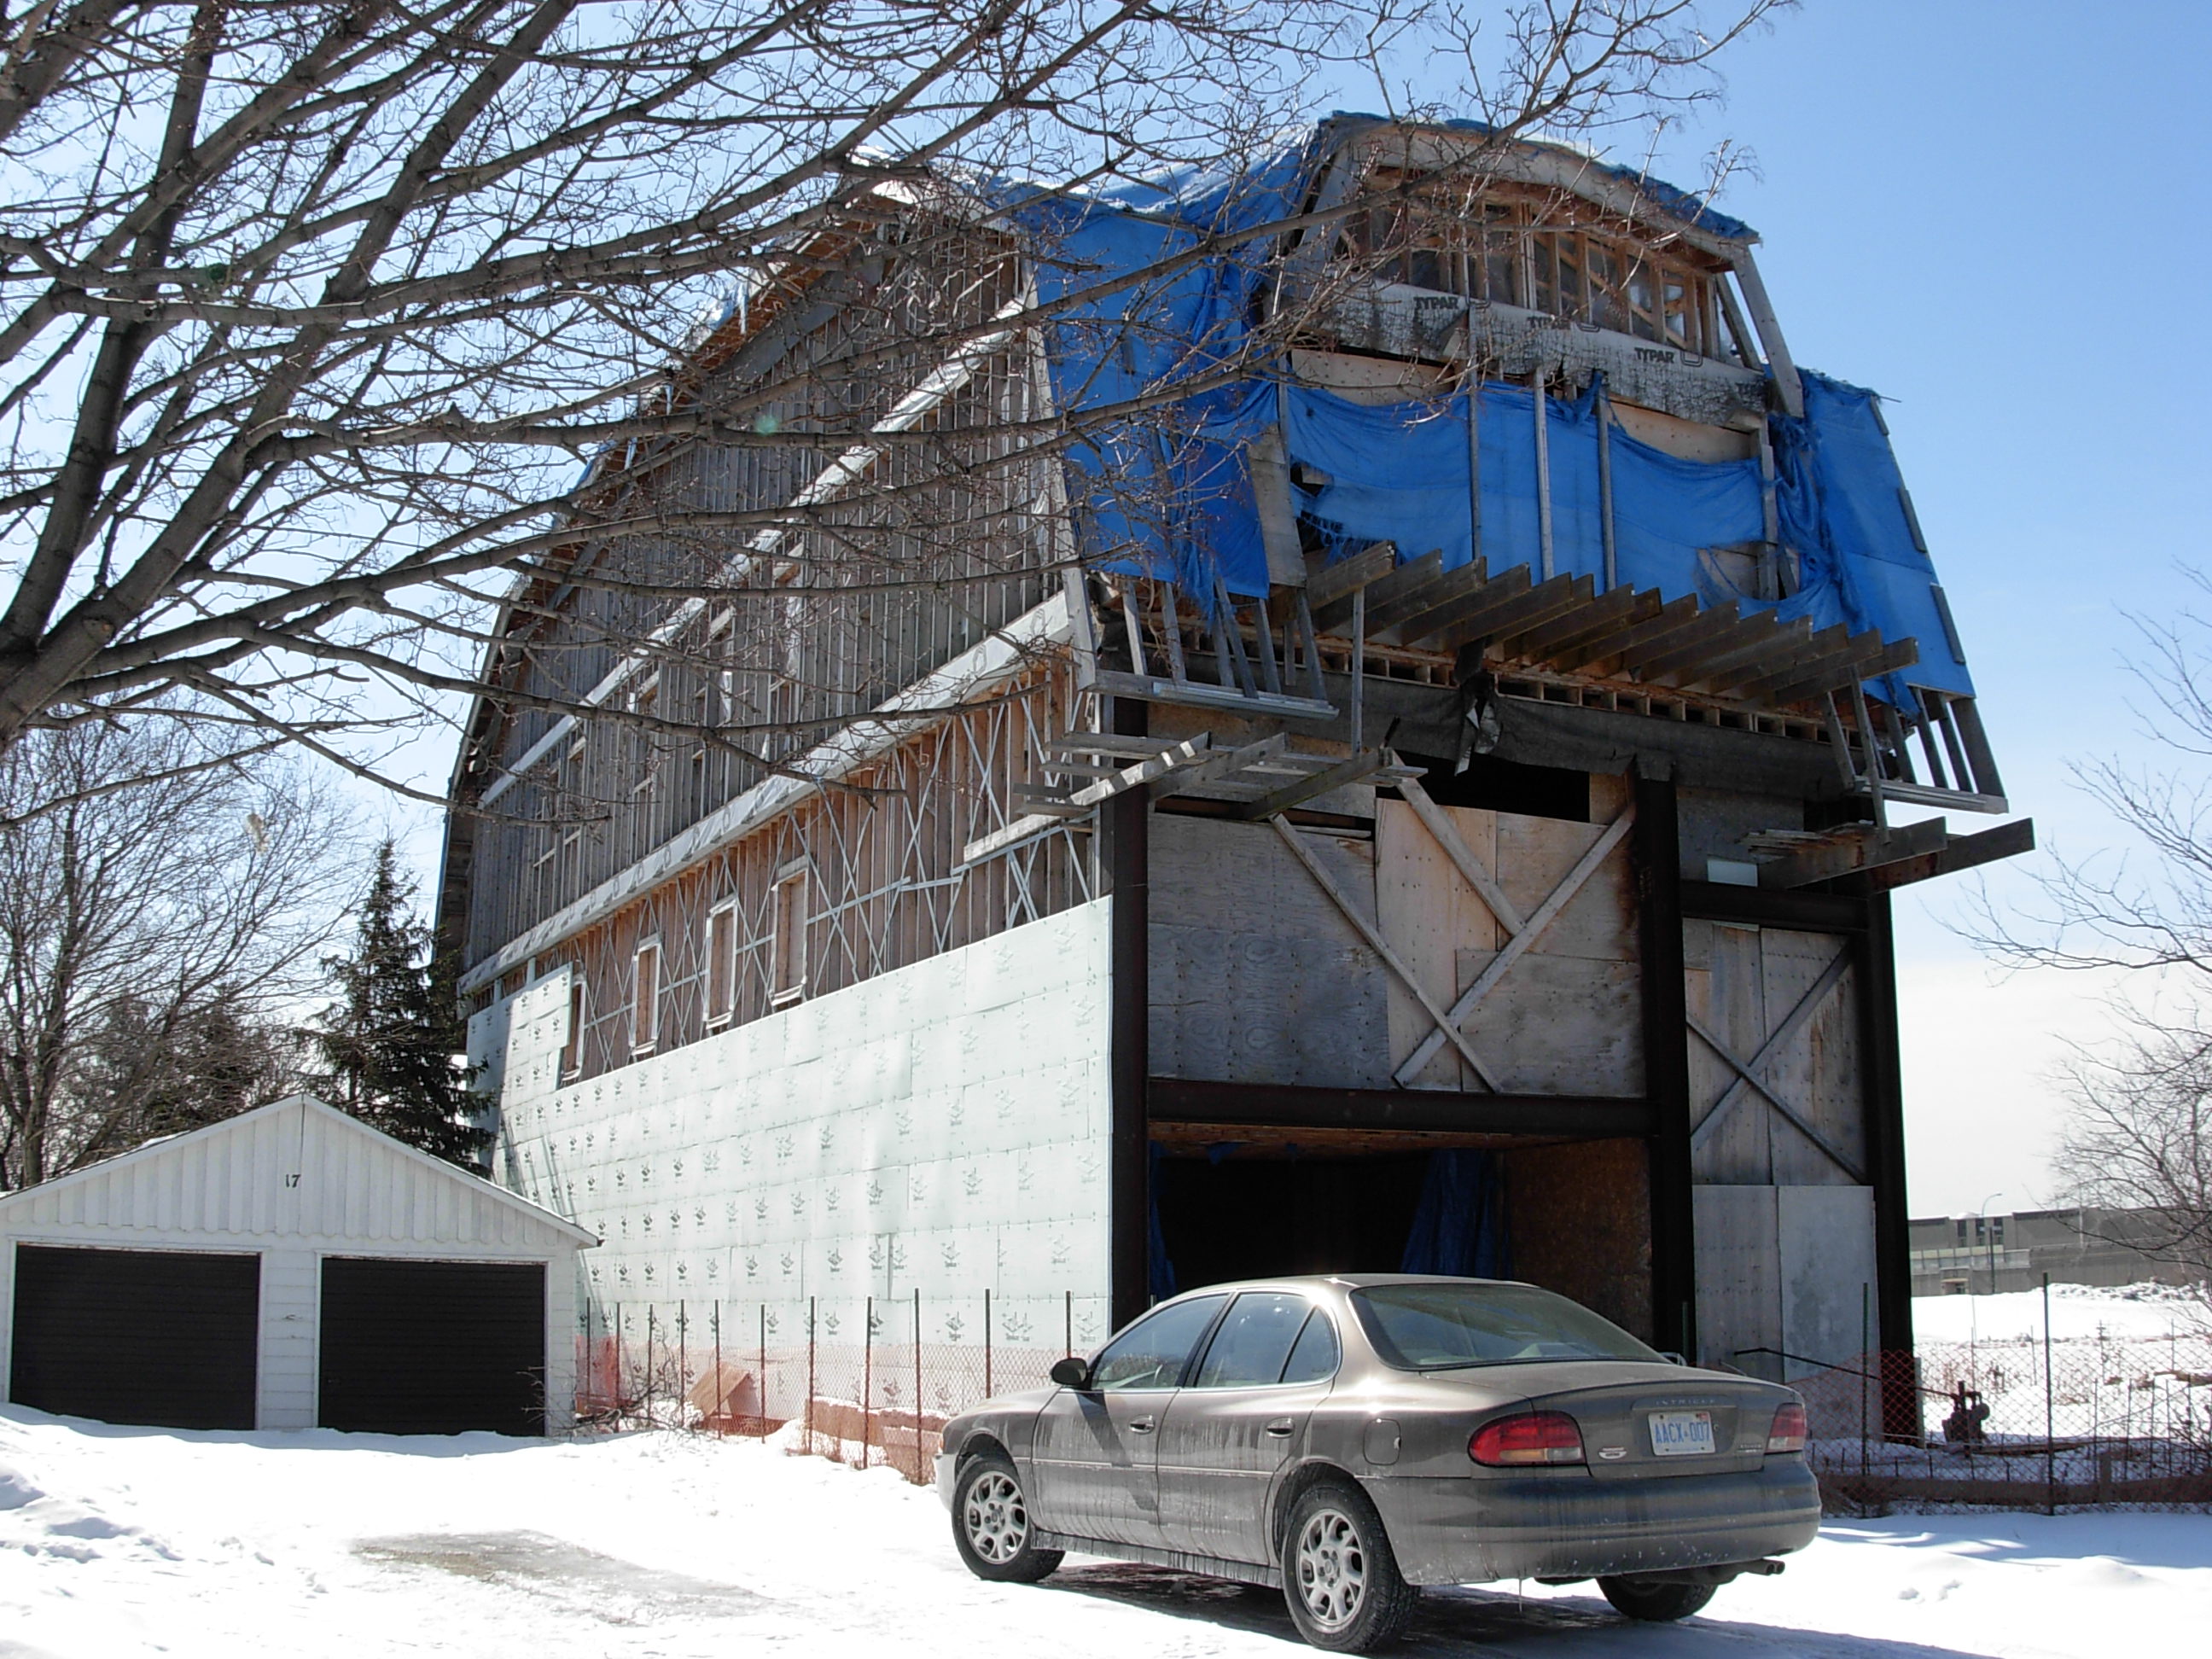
(1744,1075)
(1747,1078)
(1545,914)
(1368,931)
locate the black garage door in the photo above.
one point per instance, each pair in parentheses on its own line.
(164,1338)
(433,1347)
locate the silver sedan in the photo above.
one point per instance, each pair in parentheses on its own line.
(1353,1437)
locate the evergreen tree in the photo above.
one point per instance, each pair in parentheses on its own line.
(389,1043)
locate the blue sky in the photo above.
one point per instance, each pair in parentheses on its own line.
(1995,215)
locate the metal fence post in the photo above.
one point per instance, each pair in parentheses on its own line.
(868,1375)
(617,1402)
(2049,1413)
(721,1395)
(987,1342)
(917,1385)
(1068,1316)
(761,1390)
(1866,1344)
(683,1361)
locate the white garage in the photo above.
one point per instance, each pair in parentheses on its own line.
(288,1268)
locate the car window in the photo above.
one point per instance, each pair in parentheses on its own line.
(1438,1327)
(1314,1357)
(1253,1339)
(1152,1353)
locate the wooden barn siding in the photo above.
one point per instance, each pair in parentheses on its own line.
(880,851)
(1741,982)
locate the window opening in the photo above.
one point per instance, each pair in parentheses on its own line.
(645,998)
(721,961)
(572,1052)
(787,950)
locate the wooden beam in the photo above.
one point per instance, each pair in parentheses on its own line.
(1196,693)
(1609,612)
(1790,391)
(1814,648)
(1840,657)
(1865,847)
(1333,582)
(1751,638)
(1708,626)
(1551,599)
(1785,640)
(1586,1117)
(1962,852)
(1897,653)
(1386,610)
(1767,907)
(1675,614)
(1501,589)
(1406,578)
(1373,763)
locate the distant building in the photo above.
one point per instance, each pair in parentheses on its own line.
(1979,1255)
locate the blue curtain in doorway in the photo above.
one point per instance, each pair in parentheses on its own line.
(1159,1272)
(1459,1225)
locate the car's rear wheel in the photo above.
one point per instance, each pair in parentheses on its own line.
(1339,1578)
(991,1523)
(1657,1600)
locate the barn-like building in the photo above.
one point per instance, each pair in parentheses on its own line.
(1418,781)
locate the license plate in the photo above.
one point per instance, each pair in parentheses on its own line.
(1681,1434)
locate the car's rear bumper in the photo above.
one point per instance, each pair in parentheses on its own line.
(1474,1530)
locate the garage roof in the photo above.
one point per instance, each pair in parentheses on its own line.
(295,1168)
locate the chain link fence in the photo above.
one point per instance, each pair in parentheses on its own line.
(2036,1422)
(2029,1422)
(857,1383)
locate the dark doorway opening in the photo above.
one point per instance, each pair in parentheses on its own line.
(1243,1217)
(167,1339)
(433,1347)
(1503,785)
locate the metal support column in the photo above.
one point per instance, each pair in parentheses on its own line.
(1883,1070)
(1657,855)
(1128,823)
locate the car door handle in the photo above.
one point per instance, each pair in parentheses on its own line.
(1280,1425)
(1142,1426)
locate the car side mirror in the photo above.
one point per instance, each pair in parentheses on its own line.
(1072,1372)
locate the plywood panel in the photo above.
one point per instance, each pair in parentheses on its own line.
(1580,1218)
(1817,1072)
(1534,855)
(1732,993)
(1826,1239)
(1255,974)
(1430,913)
(1739,1283)
(1559,1025)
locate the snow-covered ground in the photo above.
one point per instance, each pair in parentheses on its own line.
(2078,1313)
(117,1543)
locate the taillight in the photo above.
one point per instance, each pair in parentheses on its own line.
(1788,1434)
(1534,1438)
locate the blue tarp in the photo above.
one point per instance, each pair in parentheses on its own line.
(1147,307)
(1459,1226)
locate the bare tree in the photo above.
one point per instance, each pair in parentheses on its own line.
(2139,1136)
(311,312)
(154,940)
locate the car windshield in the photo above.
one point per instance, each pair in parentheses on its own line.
(1429,1327)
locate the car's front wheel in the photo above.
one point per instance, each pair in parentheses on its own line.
(991,1523)
(1657,1600)
(1338,1575)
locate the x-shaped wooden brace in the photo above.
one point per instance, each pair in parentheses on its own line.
(1521,932)
(1747,1076)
